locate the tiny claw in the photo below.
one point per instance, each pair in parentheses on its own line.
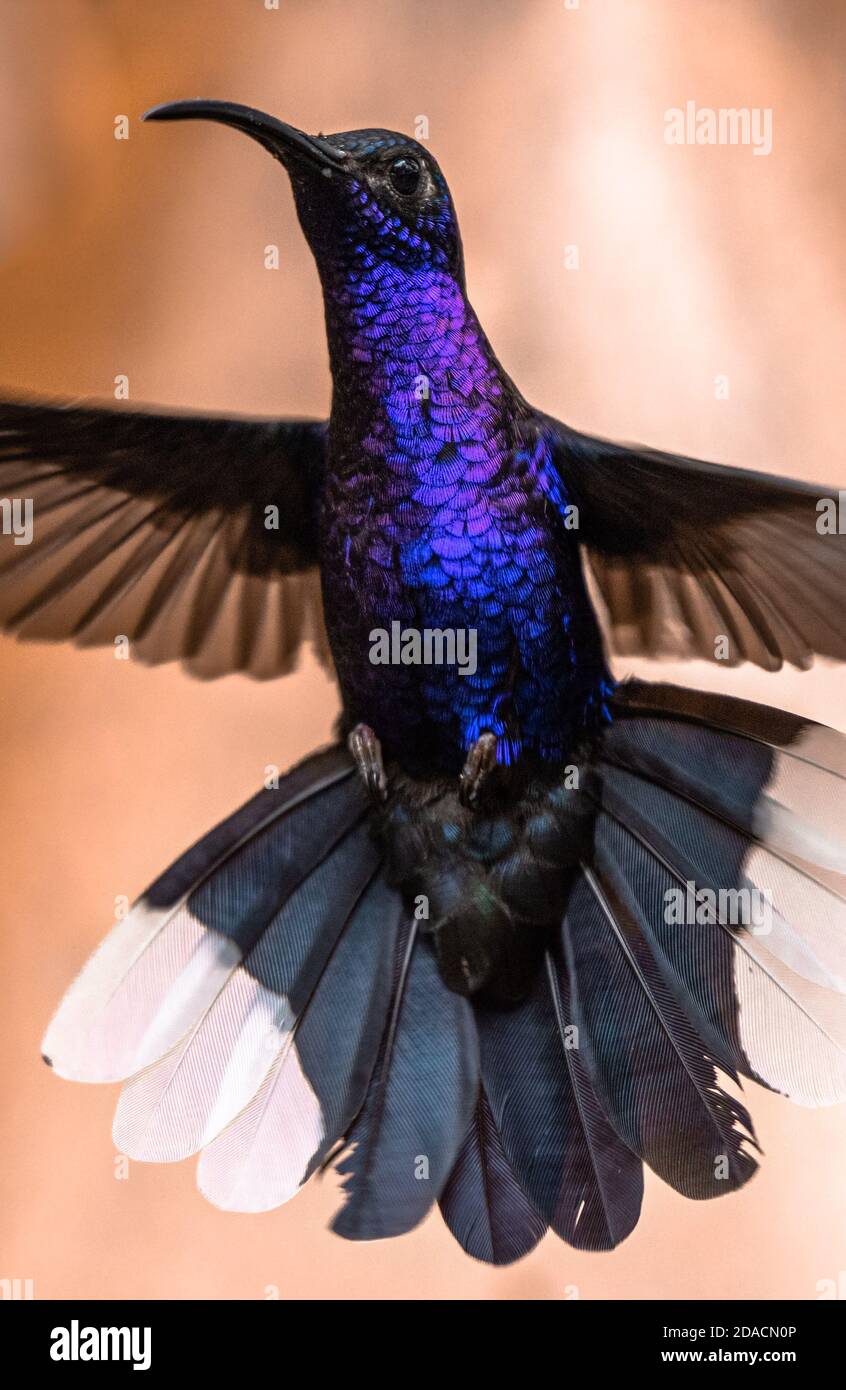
(367,752)
(479,764)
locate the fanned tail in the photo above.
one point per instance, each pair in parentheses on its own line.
(704,941)
(250,1003)
(189,935)
(272,1001)
(726,822)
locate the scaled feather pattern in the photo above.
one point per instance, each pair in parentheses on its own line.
(584,912)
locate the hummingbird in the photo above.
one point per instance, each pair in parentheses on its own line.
(522,927)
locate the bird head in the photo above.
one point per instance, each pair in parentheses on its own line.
(361,195)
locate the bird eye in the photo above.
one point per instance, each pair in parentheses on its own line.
(404,174)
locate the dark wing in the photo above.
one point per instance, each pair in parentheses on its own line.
(195,537)
(686,552)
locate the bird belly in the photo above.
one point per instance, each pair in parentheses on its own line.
(439,635)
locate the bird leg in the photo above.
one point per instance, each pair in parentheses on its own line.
(479,765)
(367,752)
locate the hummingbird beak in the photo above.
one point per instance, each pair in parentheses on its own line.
(287,144)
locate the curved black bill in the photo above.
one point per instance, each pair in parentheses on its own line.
(284,141)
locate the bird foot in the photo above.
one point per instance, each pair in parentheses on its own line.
(367,752)
(479,767)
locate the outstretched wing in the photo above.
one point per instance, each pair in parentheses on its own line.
(685,553)
(195,537)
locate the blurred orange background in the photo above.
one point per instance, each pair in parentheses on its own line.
(145,257)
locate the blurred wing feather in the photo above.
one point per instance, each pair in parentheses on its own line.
(684,552)
(157,528)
